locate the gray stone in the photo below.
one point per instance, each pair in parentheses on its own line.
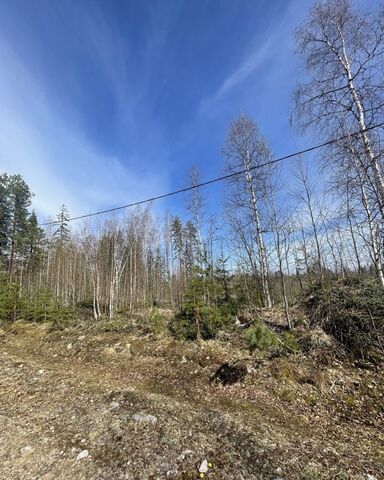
(26,450)
(138,417)
(82,454)
(204,466)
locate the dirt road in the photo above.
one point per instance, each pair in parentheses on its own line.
(107,406)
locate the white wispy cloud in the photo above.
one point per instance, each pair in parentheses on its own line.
(58,160)
(257,59)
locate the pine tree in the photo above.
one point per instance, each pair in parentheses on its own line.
(5,215)
(34,243)
(19,201)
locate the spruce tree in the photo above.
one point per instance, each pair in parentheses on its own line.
(177,237)
(222,275)
(61,237)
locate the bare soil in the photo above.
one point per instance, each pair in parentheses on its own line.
(66,392)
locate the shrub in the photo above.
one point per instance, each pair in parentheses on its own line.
(259,337)
(289,342)
(352,311)
(206,307)
(228,309)
(184,324)
(41,307)
(156,321)
(10,302)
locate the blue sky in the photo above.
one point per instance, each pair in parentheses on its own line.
(107,102)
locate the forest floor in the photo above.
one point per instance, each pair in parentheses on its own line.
(87,403)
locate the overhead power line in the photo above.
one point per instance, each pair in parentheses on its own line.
(217,179)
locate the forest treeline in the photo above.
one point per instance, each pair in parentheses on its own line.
(274,234)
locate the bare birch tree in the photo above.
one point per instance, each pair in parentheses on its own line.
(305,194)
(343,49)
(246,150)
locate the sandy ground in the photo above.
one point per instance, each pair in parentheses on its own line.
(102,405)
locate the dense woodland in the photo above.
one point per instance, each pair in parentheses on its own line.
(273,236)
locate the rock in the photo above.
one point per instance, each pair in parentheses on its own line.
(371,477)
(114,405)
(69,346)
(82,454)
(81,338)
(183,359)
(228,373)
(26,450)
(183,454)
(204,466)
(138,417)
(41,371)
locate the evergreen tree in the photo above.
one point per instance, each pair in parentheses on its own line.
(34,243)
(191,246)
(200,317)
(19,201)
(5,214)
(9,299)
(221,274)
(177,237)
(61,236)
